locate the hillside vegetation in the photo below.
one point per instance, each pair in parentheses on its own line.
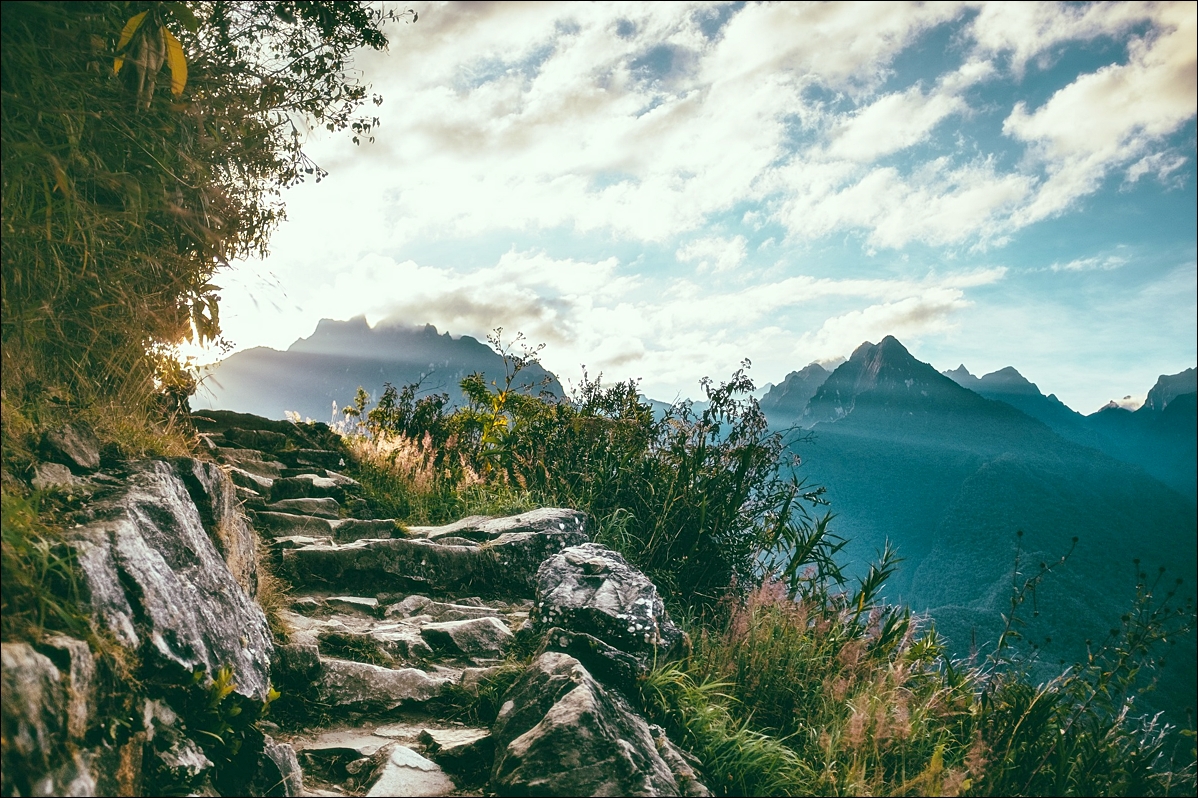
(801,681)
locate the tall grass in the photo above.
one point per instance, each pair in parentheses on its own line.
(800,682)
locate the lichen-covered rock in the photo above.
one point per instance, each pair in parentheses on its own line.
(475,638)
(593,590)
(153,578)
(559,732)
(73,445)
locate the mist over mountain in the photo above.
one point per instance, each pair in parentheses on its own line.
(329,365)
(950,476)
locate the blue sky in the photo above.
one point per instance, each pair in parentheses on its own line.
(662,190)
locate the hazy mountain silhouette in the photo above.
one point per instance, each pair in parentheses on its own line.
(329,365)
(784,403)
(1162,446)
(950,476)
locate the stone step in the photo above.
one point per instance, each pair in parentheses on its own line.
(251,460)
(349,686)
(326,507)
(256,438)
(505,567)
(291,525)
(321,458)
(348,530)
(475,639)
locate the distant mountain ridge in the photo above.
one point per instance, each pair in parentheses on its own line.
(949,467)
(329,365)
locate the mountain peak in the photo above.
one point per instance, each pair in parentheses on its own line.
(1168,387)
(885,373)
(961,376)
(784,403)
(1007,380)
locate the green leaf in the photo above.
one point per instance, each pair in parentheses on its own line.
(126,36)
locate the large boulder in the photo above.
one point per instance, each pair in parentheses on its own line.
(560,732)
(474,638)
(154,579)
(604,602)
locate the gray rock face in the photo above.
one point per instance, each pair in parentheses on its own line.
(306,486)
(593,590)
(560,732)
(154,579)
(406,772)
(506,566)
(73,445)
(288,524)
(77,665)
(216,500)
(54,475)
(279,771)
(34,716)
(476,638)
(465,753)
(362,687)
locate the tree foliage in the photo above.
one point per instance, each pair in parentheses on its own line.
(122,199)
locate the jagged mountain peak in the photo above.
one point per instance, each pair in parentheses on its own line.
(785,402)
(961,376)
(1008,380)
(1168,387)
(885,373)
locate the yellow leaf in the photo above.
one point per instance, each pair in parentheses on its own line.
(176,61)
(126,35)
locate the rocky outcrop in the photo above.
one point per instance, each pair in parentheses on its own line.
(153,578)
(560,732)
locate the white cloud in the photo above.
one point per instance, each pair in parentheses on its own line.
(1090,264)
(720,254)
(1107,118)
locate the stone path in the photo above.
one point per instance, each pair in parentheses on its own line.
(391,628)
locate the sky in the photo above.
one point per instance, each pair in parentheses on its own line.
(662,190)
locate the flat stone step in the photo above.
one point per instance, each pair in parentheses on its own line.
(326,507)
(475,639)
(362,687)
(507,566)
(408,773)
(290,524)
(246,479)
(322,458)
(348,530)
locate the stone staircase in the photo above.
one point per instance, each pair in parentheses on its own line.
(391,626)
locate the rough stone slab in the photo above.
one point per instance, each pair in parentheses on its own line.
(608,663)
(481,528)
(72,445)
(506,566)
(560,732)
(54,475)
(279,771)
(351,529)
(34,710)
(364,604)
(406,772)
(288,524)
(593,590)
(256,438)
(185,610)
(252,461)
(474,638)
(305,486)
(322,508)
(362,687)
(258,484)
(321,458)
(466,753)
(75,661)
(296,665)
